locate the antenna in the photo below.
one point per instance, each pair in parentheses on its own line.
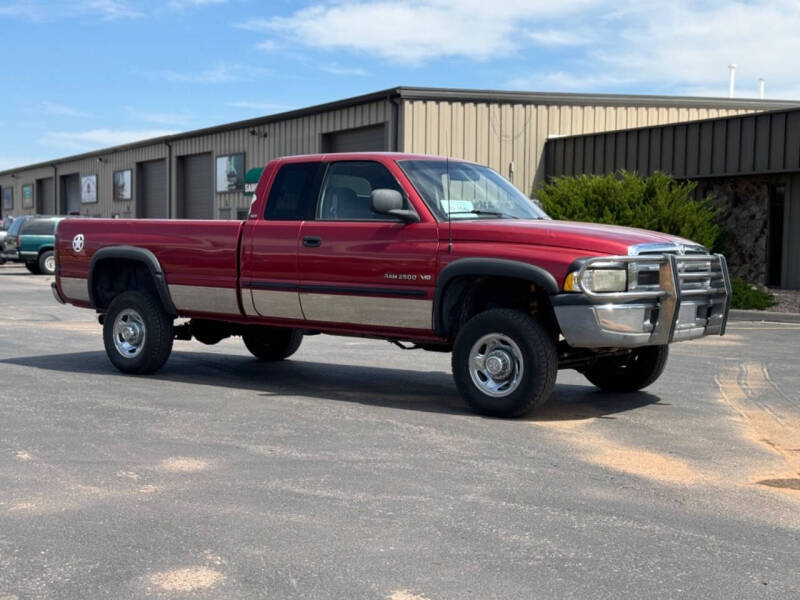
(731,79)
(761,87)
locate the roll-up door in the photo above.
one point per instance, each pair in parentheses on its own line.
(363,139)
(152,189)
(45,196)
(196,188)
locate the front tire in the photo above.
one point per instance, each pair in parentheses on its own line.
(47,263)
(137,333)
(630,373)
(273,343)
(504,363)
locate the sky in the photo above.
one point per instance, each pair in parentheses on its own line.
(78,75)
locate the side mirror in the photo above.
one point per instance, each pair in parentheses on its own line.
(390,202)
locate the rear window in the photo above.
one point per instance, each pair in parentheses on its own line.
(293,195)
(39,227)
(15,226)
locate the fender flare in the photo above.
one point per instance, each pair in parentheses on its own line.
(486,266)
(141,255)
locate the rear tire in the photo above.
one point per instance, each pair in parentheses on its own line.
(47,263)
(273,343)
(33,267)
(504,363)
(631,373)
(137,333)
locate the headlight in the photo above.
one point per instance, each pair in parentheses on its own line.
(598,280)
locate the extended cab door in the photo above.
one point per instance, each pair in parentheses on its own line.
(361,268)
(269,272)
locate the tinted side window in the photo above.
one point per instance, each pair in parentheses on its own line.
(347,187)
(294,192)
(39,227)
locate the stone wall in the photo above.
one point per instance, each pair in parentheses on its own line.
(743,203)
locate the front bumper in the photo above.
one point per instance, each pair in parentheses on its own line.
(691,300)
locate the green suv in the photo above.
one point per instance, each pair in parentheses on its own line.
(35,243)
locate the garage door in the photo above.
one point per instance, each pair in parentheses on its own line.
(363,139)
(45,196)
(152,189)
(196,187)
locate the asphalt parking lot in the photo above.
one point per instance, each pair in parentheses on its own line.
(353,470)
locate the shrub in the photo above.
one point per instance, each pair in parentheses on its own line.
(658,202)
(747,296)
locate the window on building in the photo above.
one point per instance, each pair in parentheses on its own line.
(347,188)
(293,193)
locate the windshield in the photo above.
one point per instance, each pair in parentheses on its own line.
(467,191)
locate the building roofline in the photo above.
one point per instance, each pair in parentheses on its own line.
(441,94)
(763,113)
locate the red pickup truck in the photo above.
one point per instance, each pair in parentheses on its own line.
(422,251)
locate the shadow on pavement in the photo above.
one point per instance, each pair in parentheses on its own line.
(377,386)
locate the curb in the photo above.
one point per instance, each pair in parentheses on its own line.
(763,315)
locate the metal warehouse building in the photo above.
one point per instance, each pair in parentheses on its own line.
(185,175)
(748,165)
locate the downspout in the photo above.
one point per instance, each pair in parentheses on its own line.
(169,179)
(394,99)
(56,190)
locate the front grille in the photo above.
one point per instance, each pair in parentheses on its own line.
(700,276)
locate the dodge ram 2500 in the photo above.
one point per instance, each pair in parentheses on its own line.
(427,252)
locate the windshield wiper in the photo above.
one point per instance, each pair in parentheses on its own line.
(477,211)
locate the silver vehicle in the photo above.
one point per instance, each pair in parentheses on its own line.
(7,221)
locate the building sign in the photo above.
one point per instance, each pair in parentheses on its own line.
(88,189)
(230,173)
(251,181)
(8,198)
(27,195)
(122,186)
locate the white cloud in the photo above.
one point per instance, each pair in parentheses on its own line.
(416,30)
(61,110)
(337,69)
(219,73)
(109,9)
(181,4)
(36,10)
(664,47)
(98,138)
(555,37)
(262,106)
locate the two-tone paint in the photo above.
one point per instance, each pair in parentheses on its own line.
(369,278)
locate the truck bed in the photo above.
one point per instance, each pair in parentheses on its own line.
(199,258)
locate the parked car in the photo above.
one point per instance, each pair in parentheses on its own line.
(36,243)
(425,252)
(6,223)
(8,246)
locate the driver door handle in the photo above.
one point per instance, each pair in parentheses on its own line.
(312,241)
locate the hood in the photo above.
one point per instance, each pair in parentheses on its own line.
(590,237)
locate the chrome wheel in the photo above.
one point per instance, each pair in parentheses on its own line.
(129,333)
(496,365)
(50,264)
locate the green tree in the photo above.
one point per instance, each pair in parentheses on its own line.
(658,202)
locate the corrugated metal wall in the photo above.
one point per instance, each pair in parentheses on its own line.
(302,135)
(766,143)
(501,135)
